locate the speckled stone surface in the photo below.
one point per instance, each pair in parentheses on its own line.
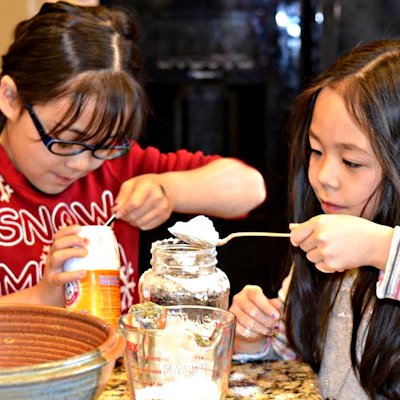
(278,380)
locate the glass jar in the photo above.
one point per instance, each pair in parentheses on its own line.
(184,274)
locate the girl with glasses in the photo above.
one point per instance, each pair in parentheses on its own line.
(339,308)
(71,107)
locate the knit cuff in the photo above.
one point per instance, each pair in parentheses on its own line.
(388,285)
(248,357)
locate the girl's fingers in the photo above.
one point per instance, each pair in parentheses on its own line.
(256,315)
(245,332)
(257,319)
(250,328)
(260,306)
(58,257)
(67,231)
(300,232)
(64,277)
(155,210)
(71,241)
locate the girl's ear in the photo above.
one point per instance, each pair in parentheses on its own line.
(10,104)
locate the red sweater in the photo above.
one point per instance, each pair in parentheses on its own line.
(29,218)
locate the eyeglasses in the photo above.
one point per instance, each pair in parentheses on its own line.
(71,148)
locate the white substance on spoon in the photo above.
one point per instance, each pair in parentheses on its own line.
(199,227)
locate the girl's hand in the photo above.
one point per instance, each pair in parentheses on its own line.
(257,317)
(66,244)
(336,242)
(142,202)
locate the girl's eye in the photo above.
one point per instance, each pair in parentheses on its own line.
(315,152)
(351,164)
(65,145)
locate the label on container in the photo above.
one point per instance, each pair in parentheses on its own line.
(97,294)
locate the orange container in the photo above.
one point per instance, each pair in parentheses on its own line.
(99,292)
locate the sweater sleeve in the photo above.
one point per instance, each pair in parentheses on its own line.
(151,160)
(388,285)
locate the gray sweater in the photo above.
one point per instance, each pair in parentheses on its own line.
(336,365)
(337,362)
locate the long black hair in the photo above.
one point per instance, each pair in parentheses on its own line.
(368,79)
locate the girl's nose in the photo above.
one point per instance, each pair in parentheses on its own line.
(328,174)
(83,162)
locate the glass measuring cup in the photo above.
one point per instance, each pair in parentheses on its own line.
(190,357)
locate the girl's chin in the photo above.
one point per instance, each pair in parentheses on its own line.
(49,189)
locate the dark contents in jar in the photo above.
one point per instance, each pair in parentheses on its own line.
(210,299)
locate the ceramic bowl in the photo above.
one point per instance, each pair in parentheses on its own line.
(53,353)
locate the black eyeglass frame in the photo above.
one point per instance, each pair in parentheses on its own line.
(49,141)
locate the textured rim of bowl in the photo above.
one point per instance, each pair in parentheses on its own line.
(111,349)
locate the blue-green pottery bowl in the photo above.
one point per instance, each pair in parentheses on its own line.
(50,353)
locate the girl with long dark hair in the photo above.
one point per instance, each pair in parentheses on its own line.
(339,307)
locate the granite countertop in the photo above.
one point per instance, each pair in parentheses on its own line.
(278,380)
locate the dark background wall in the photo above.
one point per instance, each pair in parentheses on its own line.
(221,75)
